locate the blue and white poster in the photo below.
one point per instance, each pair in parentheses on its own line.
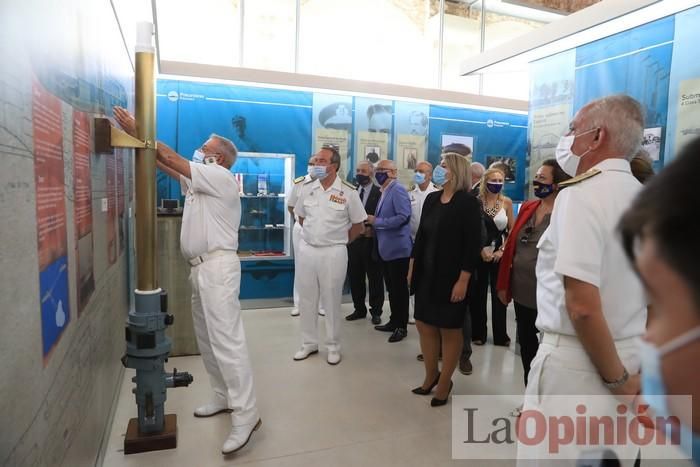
(684,92)
(332,124)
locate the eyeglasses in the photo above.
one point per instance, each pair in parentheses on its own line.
(526,237)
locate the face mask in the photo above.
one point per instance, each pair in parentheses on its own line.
(654,388)
(440,175)
(494,187)
(381,177)
(362,179)
(542,190)
(318,172)
(310,170)
(419,178)
(567,160)
(198,157)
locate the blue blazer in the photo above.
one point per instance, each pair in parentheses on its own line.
(391,225)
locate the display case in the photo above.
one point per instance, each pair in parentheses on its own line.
(265,181)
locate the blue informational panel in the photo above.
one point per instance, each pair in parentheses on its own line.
(494,136)
(263,120)
(635,62)
(684,91)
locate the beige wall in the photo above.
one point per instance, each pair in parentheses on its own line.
(54,409)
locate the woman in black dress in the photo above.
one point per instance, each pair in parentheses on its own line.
(445,254)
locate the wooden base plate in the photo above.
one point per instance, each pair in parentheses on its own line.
(136,442)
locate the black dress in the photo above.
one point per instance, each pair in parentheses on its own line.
(448,242)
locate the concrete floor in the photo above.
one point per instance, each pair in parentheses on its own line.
(359,413)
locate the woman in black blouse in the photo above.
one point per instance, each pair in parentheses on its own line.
(445,254)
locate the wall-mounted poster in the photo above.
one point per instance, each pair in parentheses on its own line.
(688,114)
(507,164)
(50,216)
(652,142)
(82,187)
(374,121)
(468,141)
(410,150)
(332,124)
(411,138)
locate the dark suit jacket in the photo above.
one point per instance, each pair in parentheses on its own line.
(456,246)
(373,198)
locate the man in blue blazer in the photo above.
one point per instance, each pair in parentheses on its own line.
(391,224)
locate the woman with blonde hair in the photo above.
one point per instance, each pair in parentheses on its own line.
(498,218)
(445,254)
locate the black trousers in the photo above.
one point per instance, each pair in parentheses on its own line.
(361,266)
(395,272)
(527,335)
(486,277)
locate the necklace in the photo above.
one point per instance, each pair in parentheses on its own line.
(494,210)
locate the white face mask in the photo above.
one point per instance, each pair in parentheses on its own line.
(310,170)
(198,157)
(566,158)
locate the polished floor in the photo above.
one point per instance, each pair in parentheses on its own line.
(360,412)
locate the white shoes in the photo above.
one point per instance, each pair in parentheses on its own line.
(239,437)
(305,352)
(411,320)
(322,312)
(333,357)
(295,311)
(211,409)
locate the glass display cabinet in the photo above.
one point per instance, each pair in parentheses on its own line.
(264,181)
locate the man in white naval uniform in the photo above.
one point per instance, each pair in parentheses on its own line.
(331,215)
(591,305)
(296,230)
(423,178)
(209,241)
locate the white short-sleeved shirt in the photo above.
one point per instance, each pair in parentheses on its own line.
(582,243)
(328,214)
(212,211)
(296,190)
(417,199)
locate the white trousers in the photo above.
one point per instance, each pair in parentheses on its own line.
(562,367)
(320,276)
(296,241)
(216,313)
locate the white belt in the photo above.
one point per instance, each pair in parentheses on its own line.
(197,260)
(563,340)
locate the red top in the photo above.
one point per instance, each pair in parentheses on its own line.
(504,271)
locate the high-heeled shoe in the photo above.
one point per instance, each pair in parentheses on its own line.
(424,392)
(435,402)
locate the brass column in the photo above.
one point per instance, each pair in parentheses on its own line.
(146,275)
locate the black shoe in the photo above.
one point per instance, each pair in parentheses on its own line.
(388,327)
(435,402)
(478,342)
(465,365)
(376,319)
(424,392)
(398,335)
(355,316)
(420,358)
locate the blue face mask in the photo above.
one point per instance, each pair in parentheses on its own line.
(654,389)
(542,190)
(381,177)
(318,172)
(198,157)
(419,178)
(494,187)
(440,175)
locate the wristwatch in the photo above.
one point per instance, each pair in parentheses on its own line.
(619,382)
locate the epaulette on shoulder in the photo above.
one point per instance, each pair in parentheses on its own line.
(579,178)
(349,185)
(299,179)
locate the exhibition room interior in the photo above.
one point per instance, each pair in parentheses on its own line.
(281,79)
